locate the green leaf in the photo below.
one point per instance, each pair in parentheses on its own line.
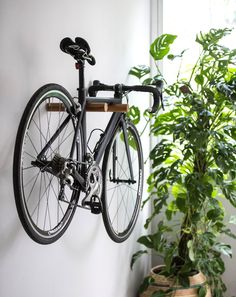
(159,293)
(146,241)
(171,57)
(229,233)
(131,140)
(229,191)
(224,249)
(202,291)
(168,260)
(160,153)
(190,250)
(178,189)
(231,131)
(148,81)
(216,175)
(169,213)
(199,79)
(134,114)
(161,46)
(184,280)
(214,214)
(188,154)
(181,202)
(146,283)
(136,256)
(139,71)
(232,220)
(212,37)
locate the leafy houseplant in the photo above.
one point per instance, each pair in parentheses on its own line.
(193,164)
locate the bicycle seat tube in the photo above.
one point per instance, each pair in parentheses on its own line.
(82,113)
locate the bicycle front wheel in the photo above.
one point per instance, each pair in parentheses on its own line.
(122,183)
(44,137)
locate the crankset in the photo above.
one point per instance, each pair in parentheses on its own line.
(93,189)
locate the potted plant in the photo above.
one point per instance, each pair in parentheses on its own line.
(193,169)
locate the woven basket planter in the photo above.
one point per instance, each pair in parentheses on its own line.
(163,283)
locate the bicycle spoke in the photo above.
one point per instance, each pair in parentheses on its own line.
(122,170)
(59,136)
(33,157)
(32,178)
(126,212)
(112,197)
(48,134)
(133,162)
(55,150)
(122,161)
(33,187)
(117,211)
(32,143)
(47,209)
(113,187)
(56,196)
(40,189)
(40,199)
(29,167)
(41,134)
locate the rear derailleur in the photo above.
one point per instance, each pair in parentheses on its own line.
(64,170)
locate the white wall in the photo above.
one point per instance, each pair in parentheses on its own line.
(84,262)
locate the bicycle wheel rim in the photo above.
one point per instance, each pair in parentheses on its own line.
(43,216)
(122,199)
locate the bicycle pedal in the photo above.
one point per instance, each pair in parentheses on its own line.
(96,208)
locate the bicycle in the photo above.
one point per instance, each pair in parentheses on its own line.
(53,167)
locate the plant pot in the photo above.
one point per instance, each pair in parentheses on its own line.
(163,283)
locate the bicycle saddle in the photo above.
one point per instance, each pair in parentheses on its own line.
(82,43)
(79,49)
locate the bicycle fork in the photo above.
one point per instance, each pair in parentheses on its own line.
(113,175)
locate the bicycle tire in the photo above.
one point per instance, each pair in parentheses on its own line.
(116,210)
(42,215)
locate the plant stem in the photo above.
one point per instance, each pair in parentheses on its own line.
(195,66)
(147,122)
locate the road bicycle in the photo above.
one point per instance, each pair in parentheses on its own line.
(54,172)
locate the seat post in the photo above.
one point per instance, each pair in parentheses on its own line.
(80,65)
(81,90)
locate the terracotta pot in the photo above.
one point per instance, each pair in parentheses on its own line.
(163,283)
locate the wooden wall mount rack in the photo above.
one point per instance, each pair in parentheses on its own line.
(91,107)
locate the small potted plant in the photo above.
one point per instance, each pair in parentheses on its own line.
(193,170)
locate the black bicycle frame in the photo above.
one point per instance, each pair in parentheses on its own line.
(116,119)
(111,126)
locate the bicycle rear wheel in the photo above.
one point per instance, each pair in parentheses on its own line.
(37,189)
(122,192)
